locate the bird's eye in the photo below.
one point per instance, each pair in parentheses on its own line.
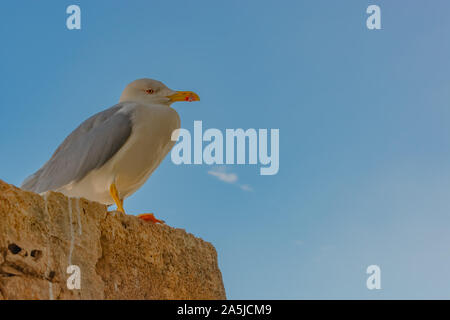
(149,91)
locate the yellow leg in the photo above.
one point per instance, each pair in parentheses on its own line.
(115,195)
(119,203)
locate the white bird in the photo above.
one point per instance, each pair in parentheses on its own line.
(111,154)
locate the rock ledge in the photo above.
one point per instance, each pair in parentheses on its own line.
(119,256)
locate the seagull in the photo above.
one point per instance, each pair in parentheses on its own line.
(111,154)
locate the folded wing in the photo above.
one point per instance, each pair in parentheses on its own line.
(87,148)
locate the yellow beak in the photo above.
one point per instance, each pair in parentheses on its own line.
(184,96)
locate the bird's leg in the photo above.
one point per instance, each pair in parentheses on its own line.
(115,195)
(119,203)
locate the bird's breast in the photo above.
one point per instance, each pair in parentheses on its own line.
(148,144)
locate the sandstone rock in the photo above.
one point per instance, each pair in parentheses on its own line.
(119,256)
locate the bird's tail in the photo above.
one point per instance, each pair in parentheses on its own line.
(30,183)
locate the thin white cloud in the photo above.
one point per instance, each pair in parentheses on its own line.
(223,176)
(228,177)
(246,187)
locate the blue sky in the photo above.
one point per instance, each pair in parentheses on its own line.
(363,116)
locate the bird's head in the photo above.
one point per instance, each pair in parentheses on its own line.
(151,91)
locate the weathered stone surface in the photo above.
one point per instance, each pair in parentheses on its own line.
(119,256)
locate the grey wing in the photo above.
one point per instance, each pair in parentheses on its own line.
(87,148)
